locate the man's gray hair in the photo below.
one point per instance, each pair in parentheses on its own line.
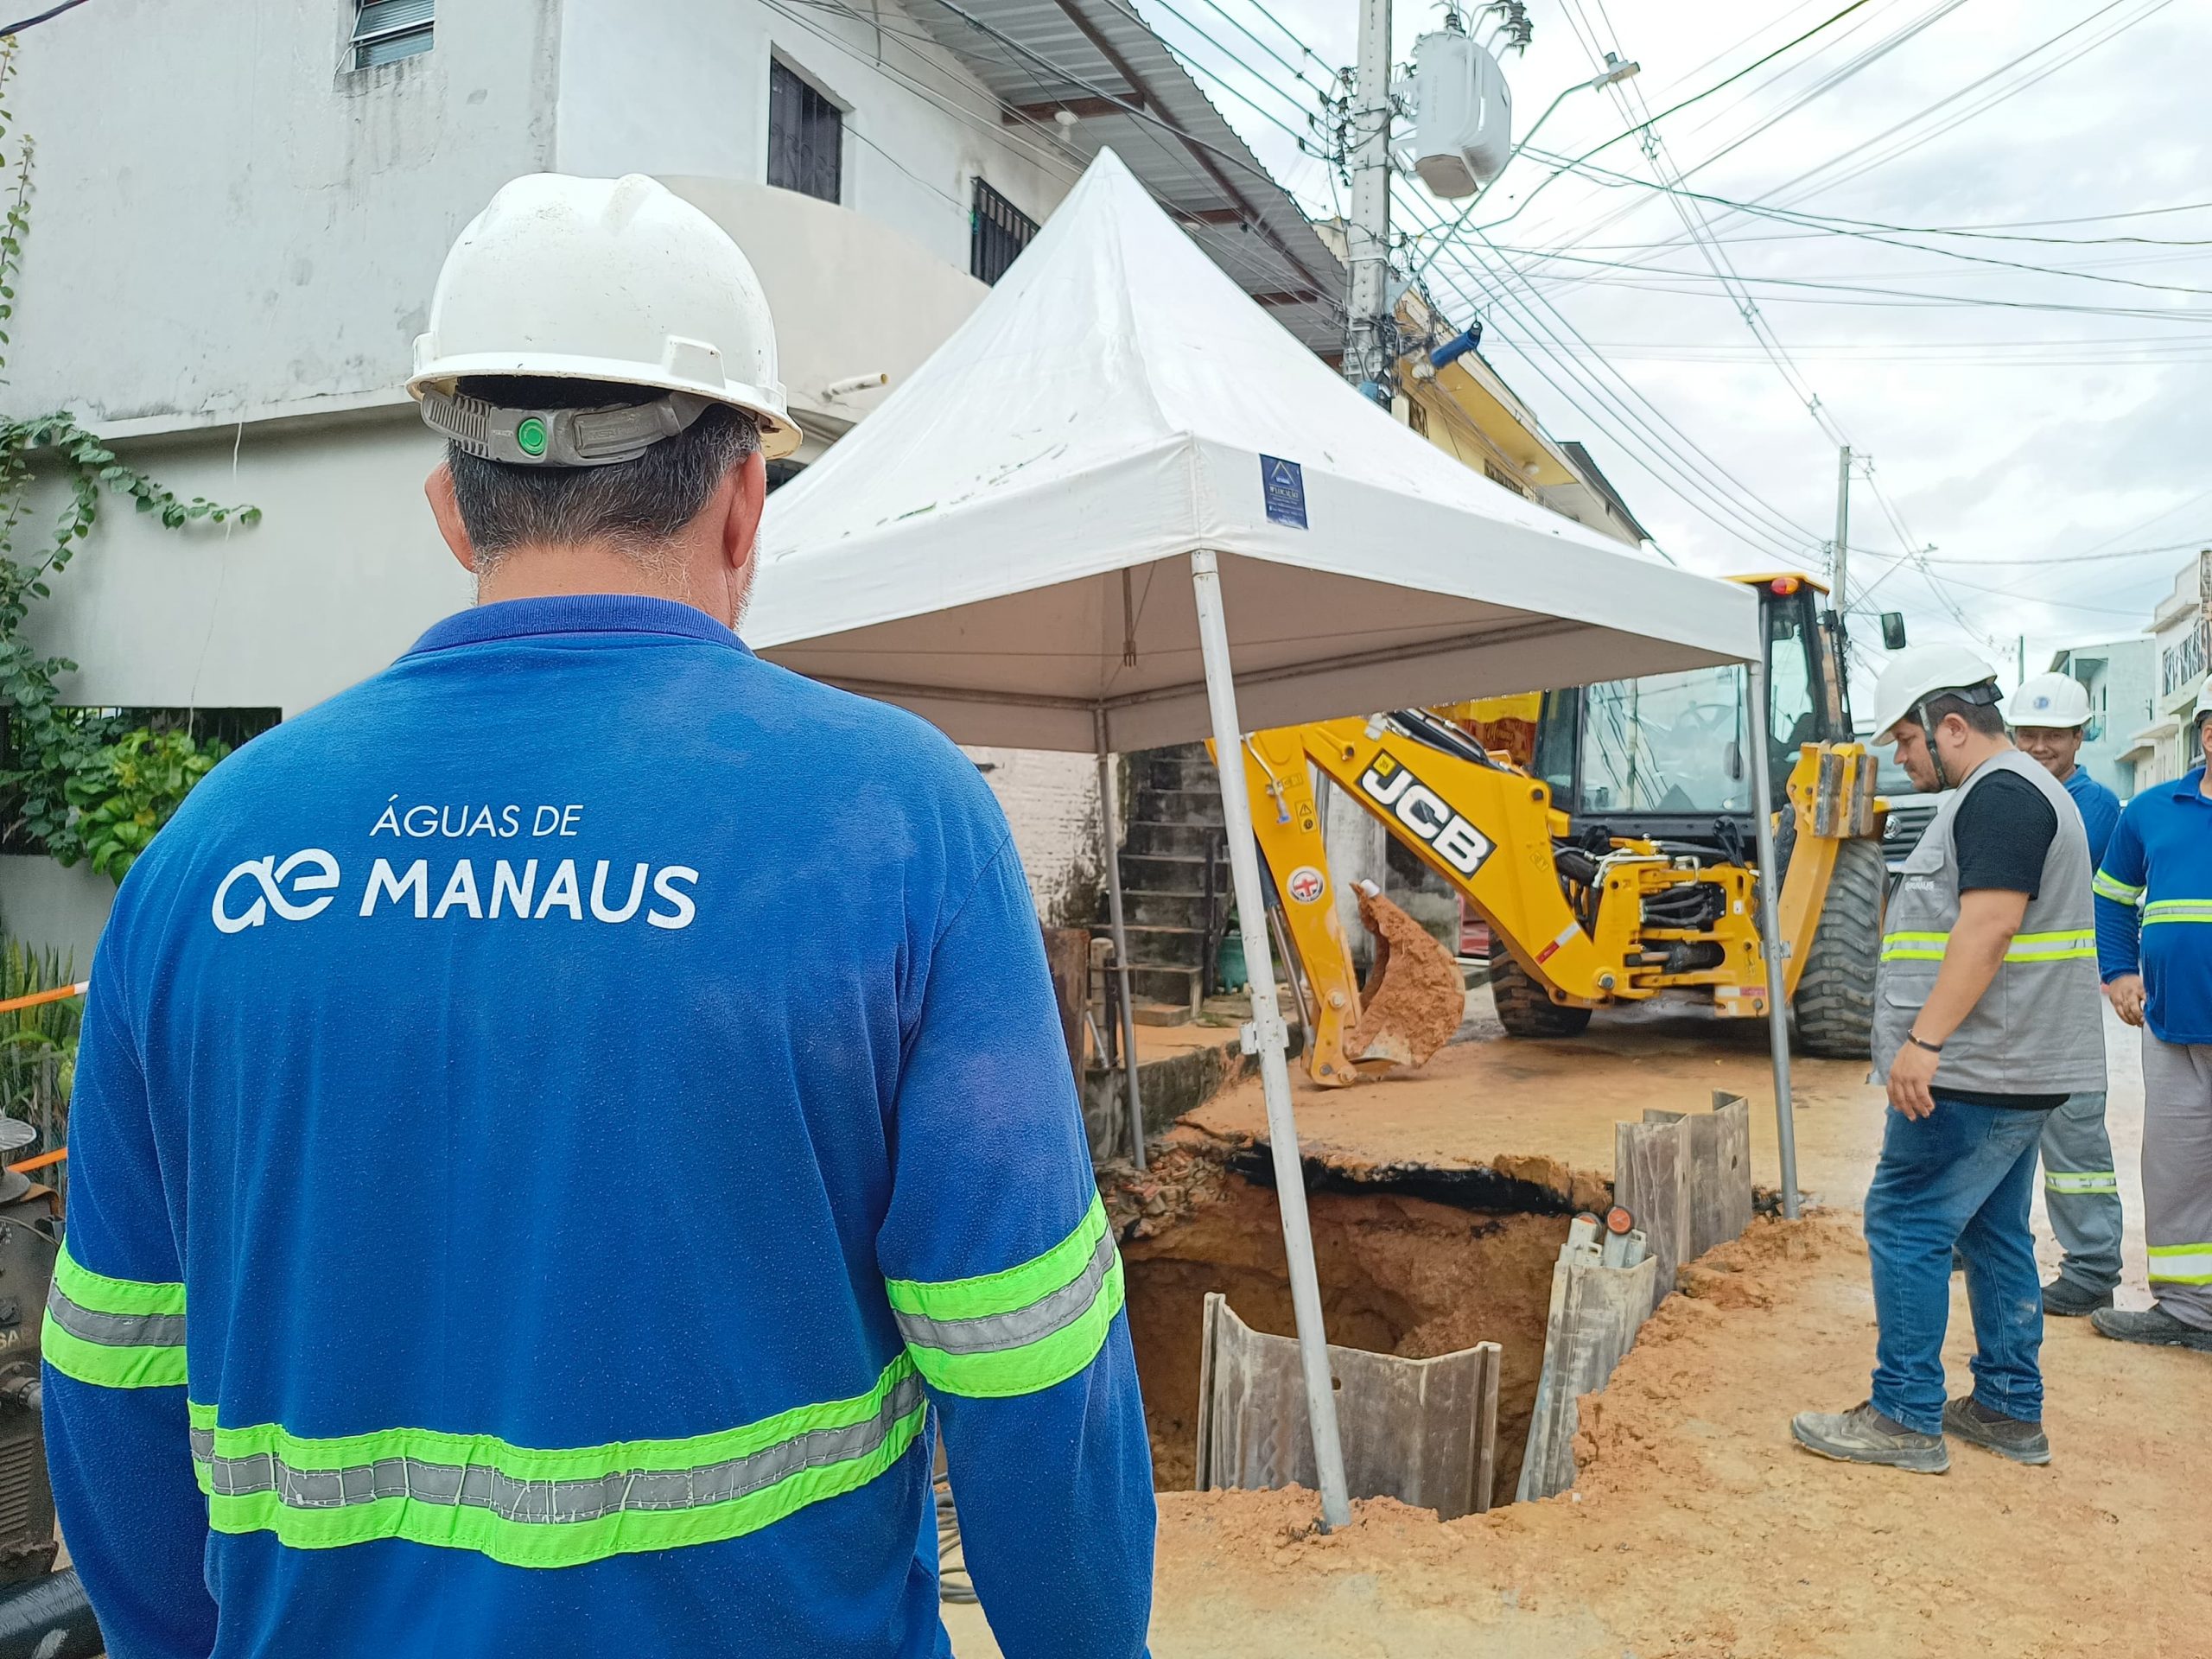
(638,505)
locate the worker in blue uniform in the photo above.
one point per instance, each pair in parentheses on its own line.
(563,1128)
(2081,1188)
(2154,951)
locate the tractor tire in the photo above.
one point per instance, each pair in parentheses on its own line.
(1523,1007)
(1835,993)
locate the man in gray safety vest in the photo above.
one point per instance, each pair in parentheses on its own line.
(1986,1017)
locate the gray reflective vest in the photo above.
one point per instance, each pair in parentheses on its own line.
(2039,1027)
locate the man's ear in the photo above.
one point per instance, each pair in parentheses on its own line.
(747,498)
(445,507)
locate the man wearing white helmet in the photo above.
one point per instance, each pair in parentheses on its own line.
(1985,1018)
(2154,950)
(2081,1189)
(562,1127)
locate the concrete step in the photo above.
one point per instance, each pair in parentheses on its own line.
(1170,873)
(1161,1014)
(1190,840)
(1179,806)
(1160,983)
(1163,769)
(1154,946)
(1156,909)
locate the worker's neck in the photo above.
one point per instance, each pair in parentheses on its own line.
(544,571)
(1963,762)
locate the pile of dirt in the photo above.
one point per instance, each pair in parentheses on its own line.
(1414,999)
(1698,1530)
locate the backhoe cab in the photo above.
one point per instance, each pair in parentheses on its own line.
(1607,844)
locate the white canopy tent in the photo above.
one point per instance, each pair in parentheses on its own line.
(1120,507)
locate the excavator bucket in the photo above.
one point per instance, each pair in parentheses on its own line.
(1414,999)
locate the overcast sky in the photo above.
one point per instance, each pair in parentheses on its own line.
(2015,431)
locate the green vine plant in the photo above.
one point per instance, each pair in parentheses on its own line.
(82,782)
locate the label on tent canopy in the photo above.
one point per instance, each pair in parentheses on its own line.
(1284,484)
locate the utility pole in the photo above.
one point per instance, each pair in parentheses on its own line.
(1370,328)
(1842,528)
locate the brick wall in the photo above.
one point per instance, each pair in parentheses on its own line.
(1050,799)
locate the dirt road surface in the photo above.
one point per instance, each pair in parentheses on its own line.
(1697,1529)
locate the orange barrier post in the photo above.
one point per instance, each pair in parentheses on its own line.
(60,993)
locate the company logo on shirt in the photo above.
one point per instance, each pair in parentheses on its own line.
(300,886)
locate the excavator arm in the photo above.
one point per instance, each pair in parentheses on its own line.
(1624,924)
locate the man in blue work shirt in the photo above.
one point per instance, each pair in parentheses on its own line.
(560,1124)
(2154,951)
(2081,1189)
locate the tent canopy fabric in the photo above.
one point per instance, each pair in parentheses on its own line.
(1004,546)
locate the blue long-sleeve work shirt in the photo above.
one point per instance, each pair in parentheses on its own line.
(550,1122)
(2154,907)
(2099,807)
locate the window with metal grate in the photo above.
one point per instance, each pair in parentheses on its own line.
(806,137)
(385,31)
(997,233)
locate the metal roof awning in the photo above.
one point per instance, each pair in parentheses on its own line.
(1099,61)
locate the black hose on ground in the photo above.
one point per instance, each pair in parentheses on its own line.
(48,1619)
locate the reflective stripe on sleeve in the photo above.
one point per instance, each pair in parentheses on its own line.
(115,1333)
(2065,945)
(1020,1331)
(2108,887)
(526,1506)
(2180,1264)
(2177,910)
(2080,1180)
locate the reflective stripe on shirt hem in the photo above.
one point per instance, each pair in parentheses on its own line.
(1027,1328)
(2069,945)
(2177,910)
(527,1507)
(113,1333)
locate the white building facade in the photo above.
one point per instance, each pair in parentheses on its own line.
(2181,630)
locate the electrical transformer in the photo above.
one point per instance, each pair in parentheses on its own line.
(1463,130)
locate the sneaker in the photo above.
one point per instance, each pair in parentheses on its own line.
(1864,1435)
(2008,1437)
(2154,1325)
(2065,1300)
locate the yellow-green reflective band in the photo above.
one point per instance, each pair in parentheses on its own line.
(2177,910)
(526,1506)
(1914,947)
(114,1334)
(2080,1180)
(2068,945)
(1021,1330)
(2180,1264)
(2105,887)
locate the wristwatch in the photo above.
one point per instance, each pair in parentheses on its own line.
(1921,1042)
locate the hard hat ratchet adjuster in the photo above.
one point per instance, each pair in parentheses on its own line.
(604,435)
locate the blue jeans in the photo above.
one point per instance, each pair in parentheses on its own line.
(1960,1179)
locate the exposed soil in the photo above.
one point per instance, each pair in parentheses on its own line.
(1414,999)
(1399,1275)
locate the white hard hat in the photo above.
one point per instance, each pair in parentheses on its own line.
(1922,672)
(2204,701)
(614,280)
(2050,700)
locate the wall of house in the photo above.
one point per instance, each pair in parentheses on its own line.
(229,219)
(1050,802)
(919,129)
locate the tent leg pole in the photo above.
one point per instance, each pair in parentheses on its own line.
(1266,1037)
(1110,830)
(1770,944)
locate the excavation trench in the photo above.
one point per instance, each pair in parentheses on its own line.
(1400,1275)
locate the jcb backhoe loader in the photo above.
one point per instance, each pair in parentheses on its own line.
(1616,863)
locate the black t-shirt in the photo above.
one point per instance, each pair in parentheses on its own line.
(2003,830)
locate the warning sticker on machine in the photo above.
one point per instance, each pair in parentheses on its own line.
(1306,884)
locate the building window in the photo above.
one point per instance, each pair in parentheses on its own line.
(806,137)
(385,31)
(998,231)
